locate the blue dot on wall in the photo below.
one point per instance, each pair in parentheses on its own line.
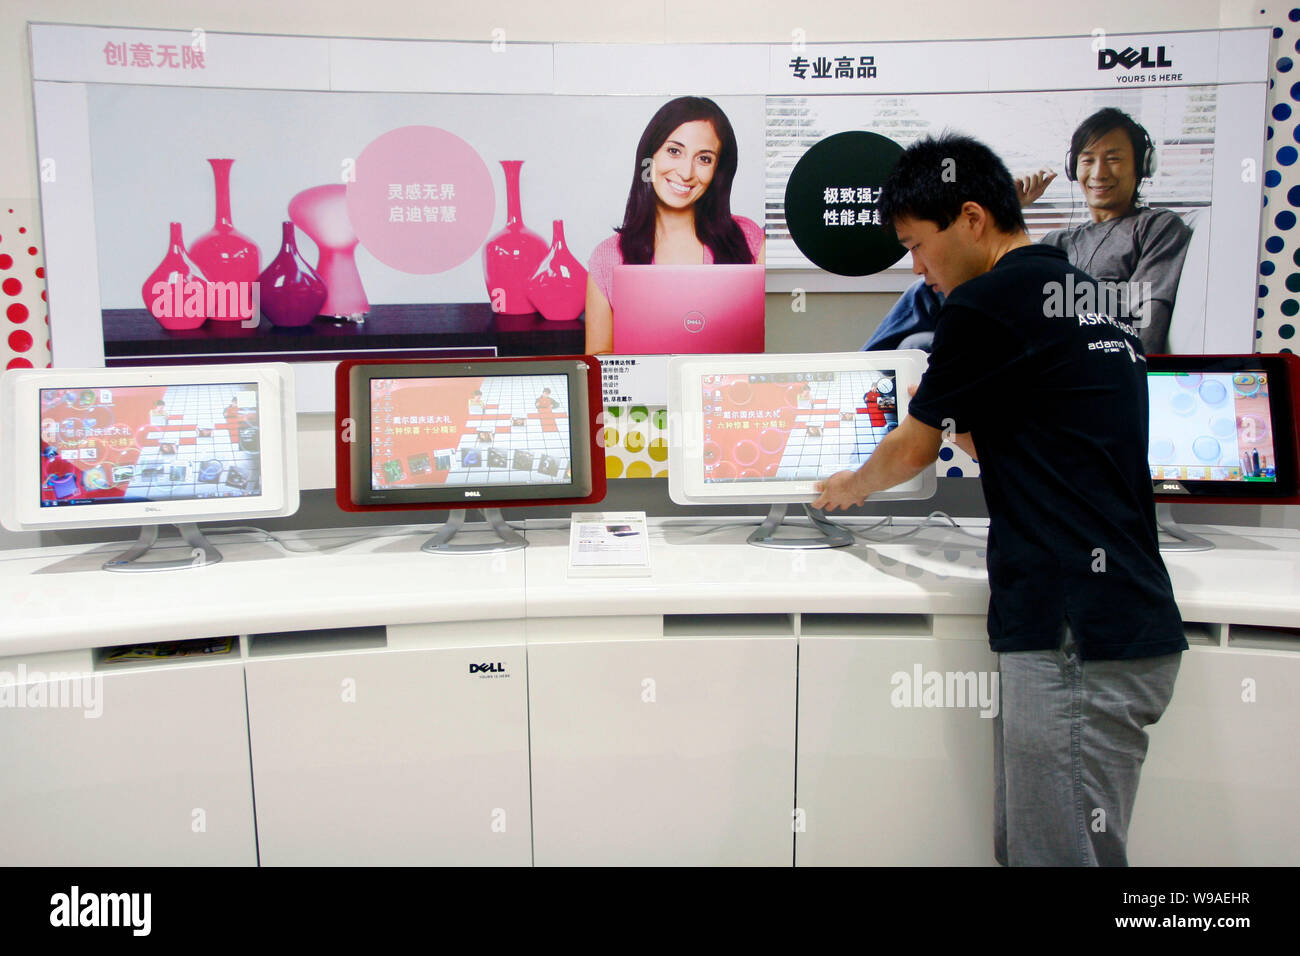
(1263,291)
(1267,268)
(945,454)
(1259,334)
(1294,15)
(1295,91)
(1286,331)
(1272,178)
(1276,244)
(1259,313)
(1293,195)
(1286,156)
(1285,219)
(1269,133)
(1281,112)
(954,472)
(1289,307)
(1284,65)
(1293,283)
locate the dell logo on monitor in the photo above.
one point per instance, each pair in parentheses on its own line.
(497,668)
(473,494)
(693,321)
(1172,486)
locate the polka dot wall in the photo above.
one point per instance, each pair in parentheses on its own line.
(25,334)
(1276,316)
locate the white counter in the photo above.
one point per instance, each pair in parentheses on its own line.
(733,707)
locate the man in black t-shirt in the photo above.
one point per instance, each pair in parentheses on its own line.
(1054,398)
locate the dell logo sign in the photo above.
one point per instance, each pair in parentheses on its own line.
(497,668)
(1129,58)
(693,321)
(473,494)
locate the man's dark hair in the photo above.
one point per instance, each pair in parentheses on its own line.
(935,177)
(1098,125)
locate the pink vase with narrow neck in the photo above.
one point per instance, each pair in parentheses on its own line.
(512,256)
(223,252)
(292,292)
(558,289)
(179,278)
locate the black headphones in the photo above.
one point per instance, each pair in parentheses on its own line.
(1146,168)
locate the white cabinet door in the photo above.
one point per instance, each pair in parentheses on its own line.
(886,777)
(664,751)
(158,778)
(392,757)
(1221,782)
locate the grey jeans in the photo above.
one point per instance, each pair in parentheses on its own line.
(1068,746)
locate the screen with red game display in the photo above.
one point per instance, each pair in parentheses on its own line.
(149,443)
(794,426)
(469,430)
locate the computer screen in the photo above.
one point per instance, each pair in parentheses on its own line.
(766,428)
(479,433)
(1223,427)
(90,447)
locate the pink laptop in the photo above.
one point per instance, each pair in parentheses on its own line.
(688,309)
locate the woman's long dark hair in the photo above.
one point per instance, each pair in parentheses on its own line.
(714,225)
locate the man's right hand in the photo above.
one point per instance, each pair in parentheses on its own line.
(1032,185)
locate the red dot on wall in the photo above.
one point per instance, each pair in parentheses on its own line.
(6,261)
(40,272)
(17,312)
(12,286)
(43,299)
(31,250)
(20,341)
(22,229)
(20,363)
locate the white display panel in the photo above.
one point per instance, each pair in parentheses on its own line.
(766,429)
(140,446)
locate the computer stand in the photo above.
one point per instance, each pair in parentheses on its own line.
(202,551)
(508,538)
(1184,540)
(832,535)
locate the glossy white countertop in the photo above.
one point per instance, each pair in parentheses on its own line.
(58,599)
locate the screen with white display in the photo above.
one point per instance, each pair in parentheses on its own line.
(149,443)
(1211,426)
(794,426)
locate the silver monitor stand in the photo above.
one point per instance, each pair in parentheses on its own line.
(201,553)
(507,538)
(1184,540)
(831,535)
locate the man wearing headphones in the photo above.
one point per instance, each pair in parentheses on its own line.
(1132,246)
(1110,154)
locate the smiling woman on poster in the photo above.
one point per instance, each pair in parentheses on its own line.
(678,208)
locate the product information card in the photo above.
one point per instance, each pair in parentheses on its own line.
(609,544)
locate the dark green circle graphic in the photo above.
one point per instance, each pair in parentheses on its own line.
(833,186)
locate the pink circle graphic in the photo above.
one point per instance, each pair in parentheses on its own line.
(422,201)
(745,453)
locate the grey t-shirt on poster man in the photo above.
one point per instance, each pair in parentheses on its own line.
(1144,245)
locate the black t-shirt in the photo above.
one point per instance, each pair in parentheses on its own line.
(1054,395)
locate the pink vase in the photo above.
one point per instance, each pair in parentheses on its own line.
(181,278)
(292,293)
(322,213)
(224,253)
(558,289)
(511,256)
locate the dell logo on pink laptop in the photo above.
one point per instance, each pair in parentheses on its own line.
(693,321)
